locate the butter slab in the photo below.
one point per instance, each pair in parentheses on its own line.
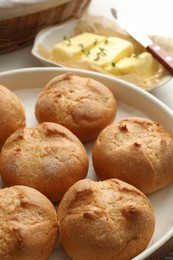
(141,65)
(71,49)
(107,51)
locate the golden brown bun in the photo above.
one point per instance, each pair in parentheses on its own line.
(83,105)
(28,224)
(47,157)
(12,114)
(105,220)
(136,150)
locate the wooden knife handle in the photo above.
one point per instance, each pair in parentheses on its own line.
(162,56)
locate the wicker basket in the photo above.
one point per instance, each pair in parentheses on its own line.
(19,32)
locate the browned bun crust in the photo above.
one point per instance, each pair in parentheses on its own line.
(83,105)
(136,150)
(28,224)
(12,114)
(47,157)
(105,220)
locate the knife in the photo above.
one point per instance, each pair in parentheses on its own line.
(158,52)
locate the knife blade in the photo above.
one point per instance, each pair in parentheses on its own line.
(157,51)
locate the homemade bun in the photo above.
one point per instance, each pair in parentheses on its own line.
(47,157)
(136,150)
(105,220)
(12,114)
(83,105)
(28,224)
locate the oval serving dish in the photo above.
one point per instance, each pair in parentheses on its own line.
(131,101)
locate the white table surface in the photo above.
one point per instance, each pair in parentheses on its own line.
(153,16)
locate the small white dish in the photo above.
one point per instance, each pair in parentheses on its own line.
(131,101)
(49,36)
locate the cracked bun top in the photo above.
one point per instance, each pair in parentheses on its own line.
(136,150)
(105,220)
(47,157)
(28,224)
(83,105)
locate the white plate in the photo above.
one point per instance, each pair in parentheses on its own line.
(48,37)
(132,101)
